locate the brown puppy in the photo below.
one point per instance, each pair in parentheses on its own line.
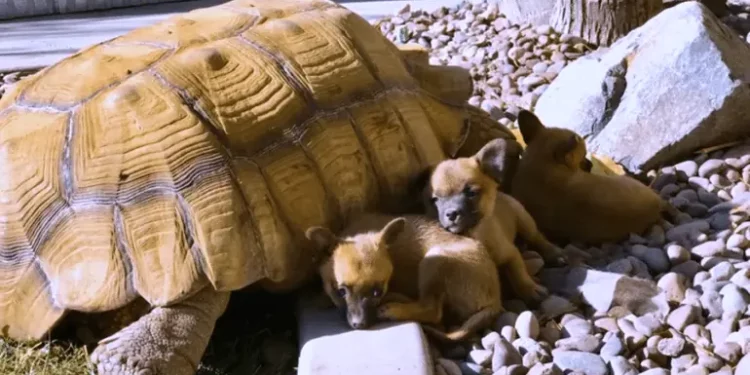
(570,204)
(463,195)
(409,269)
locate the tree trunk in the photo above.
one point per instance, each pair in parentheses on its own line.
(602,21)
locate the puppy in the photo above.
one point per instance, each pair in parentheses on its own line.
(407,268)
(570,204)
(463,195)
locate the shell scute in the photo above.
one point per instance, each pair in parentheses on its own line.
(248,99)
(80,77)
(311,50)
(31,203)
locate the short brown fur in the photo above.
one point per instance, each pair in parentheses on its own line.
(425,273)
(570,204)
(468,188)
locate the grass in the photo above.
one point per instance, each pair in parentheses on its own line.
(257,335)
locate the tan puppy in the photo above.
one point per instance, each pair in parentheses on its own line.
(463,195)
(570,204)
(409,269)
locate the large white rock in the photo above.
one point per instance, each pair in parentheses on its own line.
(330,347)
(674,85)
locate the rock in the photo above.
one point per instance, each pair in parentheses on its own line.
(734,300)
(612,347)
(710,167)
(655,258)
(481,357)
(677,254)
(709,249)
(545,369)
(722,271)
(655,53)
(489,340)
(671,347)
(729,352)
(554,306)
(720,329)
(586,363)
(711,302)
(683,316)
(683,362)
(576,326)
(688,167)
(655,371)
(505,355)
(673,284)
(509,333)
(647,324)
(468,368)
(743,367)
(550,333)
(621,366)
(536,12)
(587,343)
(527,325)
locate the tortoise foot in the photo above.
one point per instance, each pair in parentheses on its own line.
(168,340)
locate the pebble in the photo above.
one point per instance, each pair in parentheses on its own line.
(505,354)
(729,351)
(527,325)
(683,316)
(576,326)
(450,367)
(586,363)
(671,347)
(586,343)
(555,306)
(674,285)
(677,254)
(621,366)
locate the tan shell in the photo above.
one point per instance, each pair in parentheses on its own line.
(198,150)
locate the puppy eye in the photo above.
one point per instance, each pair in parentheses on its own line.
(433,199)
(376,292)
(470,192)
(342,292)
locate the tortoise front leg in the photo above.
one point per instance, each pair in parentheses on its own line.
(167,340)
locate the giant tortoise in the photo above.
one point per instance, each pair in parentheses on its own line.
(184,160)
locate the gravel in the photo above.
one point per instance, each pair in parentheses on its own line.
(700,260)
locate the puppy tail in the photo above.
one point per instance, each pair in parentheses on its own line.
(479,320)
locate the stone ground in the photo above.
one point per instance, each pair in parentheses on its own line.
(701,261)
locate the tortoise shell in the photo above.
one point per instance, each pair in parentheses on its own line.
(198,150)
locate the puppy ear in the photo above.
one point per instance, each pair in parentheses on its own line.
(566,147)
(586,165)
(499,158)
(389,234)
(529,125)
(323,238)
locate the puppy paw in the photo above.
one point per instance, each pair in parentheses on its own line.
(555,257)
(534,292)
(388,312)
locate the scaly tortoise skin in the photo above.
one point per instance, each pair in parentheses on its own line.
(184,160)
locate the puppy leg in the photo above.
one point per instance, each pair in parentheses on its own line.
(428,309)
(520,279)
(527,228)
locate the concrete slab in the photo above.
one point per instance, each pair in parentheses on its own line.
(330,347)
(41,41)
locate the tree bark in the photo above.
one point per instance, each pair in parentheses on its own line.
(601,22)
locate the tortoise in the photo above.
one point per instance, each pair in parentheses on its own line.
(182,161)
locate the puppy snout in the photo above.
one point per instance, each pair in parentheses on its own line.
(452,215)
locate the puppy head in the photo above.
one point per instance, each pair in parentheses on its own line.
(554,145)
(462,191)
(358,269)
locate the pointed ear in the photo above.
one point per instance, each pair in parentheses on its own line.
(499,158)
(323,238)
(564,148)
(529,125)
(586,165)
(389,234)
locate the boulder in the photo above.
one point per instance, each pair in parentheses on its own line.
(674,85)
(536,12)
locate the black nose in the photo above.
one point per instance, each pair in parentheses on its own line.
(358,325)
(452,215)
